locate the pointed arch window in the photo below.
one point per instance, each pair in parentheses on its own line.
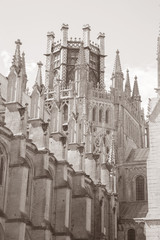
(65,113)
(29,188)
(107,116)
(100,115)
(140,188)
(131,234)
(2,165)
(94,112)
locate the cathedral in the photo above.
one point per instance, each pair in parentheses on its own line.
(76,160)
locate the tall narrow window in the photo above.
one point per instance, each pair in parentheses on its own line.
(107,116)
(131,234)
(65,113)
(94,114)
(1,169)
(100,115)
(2,165)
(140,188)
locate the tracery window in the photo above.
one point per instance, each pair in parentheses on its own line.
(65,113)
(100,115)
(131,234)
(107,116)
(140,188)
(94,114)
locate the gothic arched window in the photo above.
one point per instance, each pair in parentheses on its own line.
(107,116)
(65,113)
(29,188)
(100,115)
(140,188)
(2,165)
(94,114)
(131,234)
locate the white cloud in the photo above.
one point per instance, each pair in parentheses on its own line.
(147,81)
(6,59)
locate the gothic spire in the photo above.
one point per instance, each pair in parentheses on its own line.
(23,63)
(117,66)
(39,74)
(135,93)
(24,72)
(17,60)
(117,76)
(127,85)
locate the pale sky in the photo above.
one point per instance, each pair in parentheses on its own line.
(129,25)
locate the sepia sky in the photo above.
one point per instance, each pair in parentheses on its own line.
(129,25)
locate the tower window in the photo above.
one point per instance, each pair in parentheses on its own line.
(139,188)
(94,114)
(131,234)
(65,113)
(100,115)
(1,169)
(107,116)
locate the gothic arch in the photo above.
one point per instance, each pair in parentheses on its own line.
(94,114)
(107,115)
(139,188)
(100,115)
(131,235)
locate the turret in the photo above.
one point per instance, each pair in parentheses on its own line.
(50,43)
(86,35)
(101,41)
(64,30)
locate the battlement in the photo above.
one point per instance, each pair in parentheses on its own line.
(101,94)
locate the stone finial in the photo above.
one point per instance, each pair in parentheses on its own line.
(50,34)
(86,27)
(64,26)
(101,35)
